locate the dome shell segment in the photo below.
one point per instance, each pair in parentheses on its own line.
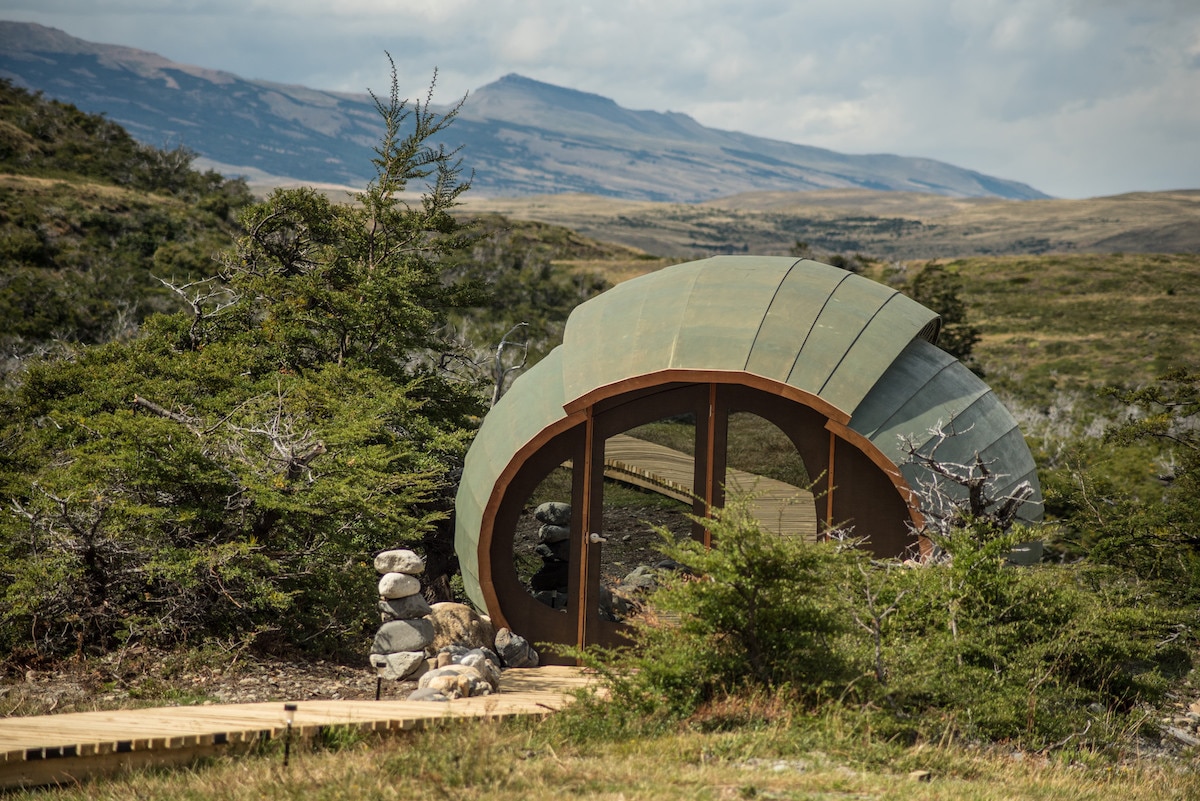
(858,354)
(815,327)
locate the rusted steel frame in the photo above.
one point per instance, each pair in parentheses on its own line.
(491,508)
(710,450)
(888,468)
(829,481)
(690,376)
(585,556)
(716,453)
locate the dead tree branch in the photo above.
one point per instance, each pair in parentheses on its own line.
(501,371)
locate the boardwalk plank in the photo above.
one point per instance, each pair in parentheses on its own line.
(51,749)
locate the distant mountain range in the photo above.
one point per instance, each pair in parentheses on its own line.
(521,137)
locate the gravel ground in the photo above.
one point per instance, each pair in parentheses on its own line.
(146,679)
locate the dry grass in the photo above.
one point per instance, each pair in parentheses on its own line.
(888,224)
(519,761)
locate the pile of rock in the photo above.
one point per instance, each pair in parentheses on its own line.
(467,652)
(470,655)
(549,583)
(461,672)
(398,652)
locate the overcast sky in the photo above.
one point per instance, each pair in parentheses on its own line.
(1077,98)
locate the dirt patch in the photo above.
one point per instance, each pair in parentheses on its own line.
(142,679)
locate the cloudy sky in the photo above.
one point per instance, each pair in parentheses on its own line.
(1076,97)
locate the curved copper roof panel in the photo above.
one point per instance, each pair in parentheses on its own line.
(863,349)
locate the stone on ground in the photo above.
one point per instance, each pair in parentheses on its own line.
(514,650)
(554,513)
(459,624)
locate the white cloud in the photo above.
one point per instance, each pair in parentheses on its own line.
(1073,96)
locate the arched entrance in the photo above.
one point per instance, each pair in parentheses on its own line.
(852,487)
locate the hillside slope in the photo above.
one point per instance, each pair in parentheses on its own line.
(88,218)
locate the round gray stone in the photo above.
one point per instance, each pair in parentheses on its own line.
(398,585)
(557,551)
(403,635)
(554,513)
(398,666)
(551,534)
(410,607)
(399,561)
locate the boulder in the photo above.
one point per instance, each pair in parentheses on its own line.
(451,654)
(403,635)
(427,694)
(410,607)
(399,561)
(459,624)
(514,650)
(641,578)
(400,666)
(551,534)
(554,513)
(398,585)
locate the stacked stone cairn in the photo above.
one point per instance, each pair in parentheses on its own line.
(549,584)
(464,645)
(398,652)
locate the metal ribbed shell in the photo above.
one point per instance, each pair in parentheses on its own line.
(858,345)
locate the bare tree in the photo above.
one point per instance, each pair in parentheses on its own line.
(204,299)
(500,370)
(954,493)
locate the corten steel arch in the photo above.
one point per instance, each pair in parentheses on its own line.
(843,365)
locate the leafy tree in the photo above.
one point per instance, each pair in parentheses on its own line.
(940,290)
(228,472)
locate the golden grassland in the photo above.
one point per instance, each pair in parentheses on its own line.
(894,225)
(521,760)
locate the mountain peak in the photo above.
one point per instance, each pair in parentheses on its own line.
(520,135)
(518,89)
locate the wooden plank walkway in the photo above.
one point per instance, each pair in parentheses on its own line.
(779,506)
(62,749)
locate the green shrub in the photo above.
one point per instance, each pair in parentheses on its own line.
(964,646)
(752,611)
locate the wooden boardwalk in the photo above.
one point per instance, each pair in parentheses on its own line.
(61,749)
(780,507)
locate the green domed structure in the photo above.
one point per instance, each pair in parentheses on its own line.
(843,366)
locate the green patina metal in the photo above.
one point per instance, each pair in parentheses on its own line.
(862,352)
